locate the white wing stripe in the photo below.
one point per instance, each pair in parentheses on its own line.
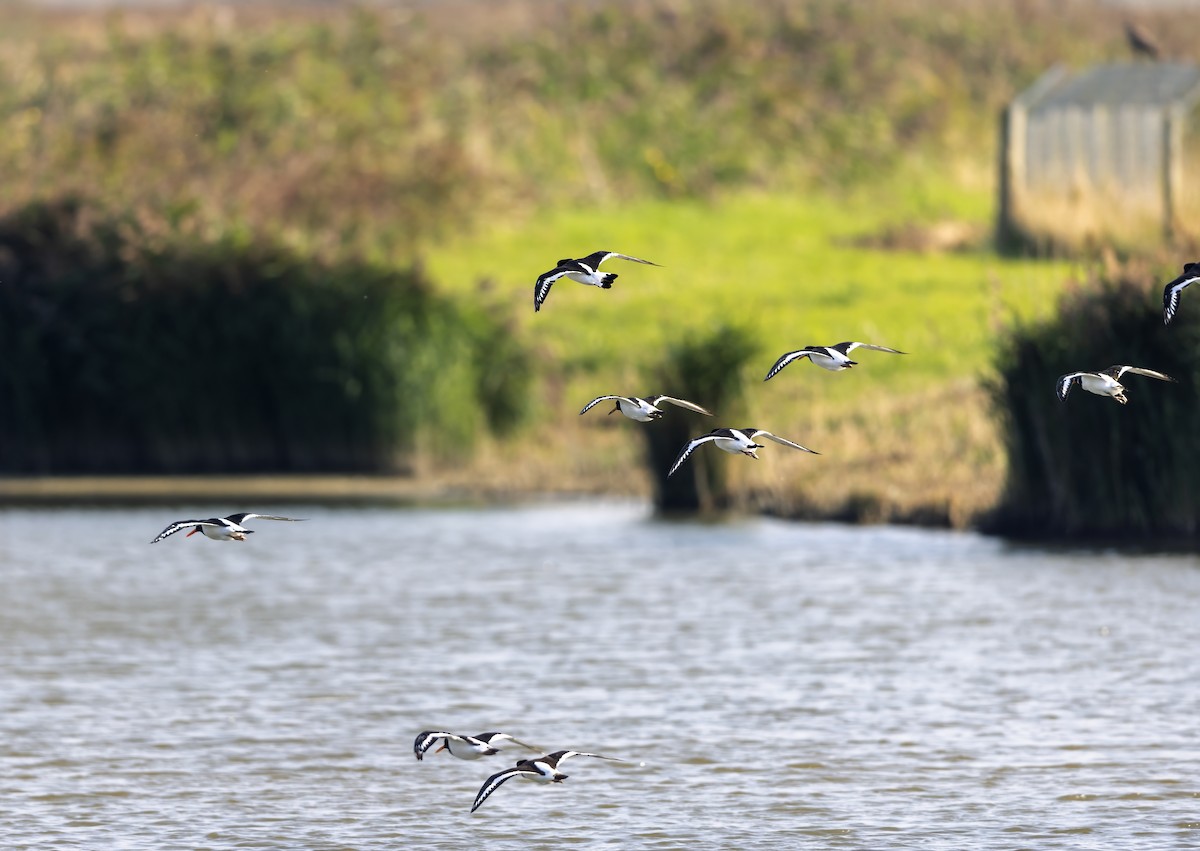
(682,403)
(782,441)
(495,782)
(688,450)
(182,524)
(600,399)
(785,360)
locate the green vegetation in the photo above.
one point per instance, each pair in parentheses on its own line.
(810,172)
(120,352)
(375,130)
(1092,467)
(793,269)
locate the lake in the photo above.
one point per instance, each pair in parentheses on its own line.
(771,684)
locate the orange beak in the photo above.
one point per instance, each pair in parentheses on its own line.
(193,532)
(442,748)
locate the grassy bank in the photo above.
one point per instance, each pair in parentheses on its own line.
(903,438)
(798,269)
(813,172)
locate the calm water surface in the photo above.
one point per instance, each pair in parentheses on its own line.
(785,685)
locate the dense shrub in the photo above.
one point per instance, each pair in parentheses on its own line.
(1092,467)
(705,368)
(123,352)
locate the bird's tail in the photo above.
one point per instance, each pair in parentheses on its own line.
(606,281)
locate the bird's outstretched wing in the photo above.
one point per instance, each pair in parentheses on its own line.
(1117,371)
(1172,291)
(688,450)
(497,739)
(1066,382)
(682,403)
(541,290)
(428,739)
(848,347)
(600,399)
(182,524)
(559,757)
(758,432)
(784,360)
(496,781)
(597,257)
(243,517)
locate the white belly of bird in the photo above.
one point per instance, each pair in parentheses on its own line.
(592,280)
(831,363)
(731,444)
(1101,385)
(635,412)
(219,533)
(462,750)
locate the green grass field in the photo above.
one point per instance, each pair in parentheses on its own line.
(902,438)
(790,268)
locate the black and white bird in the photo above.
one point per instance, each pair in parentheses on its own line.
(465,747)
(736,441)
(1106,382)
(585,270)
(643,410)
(220,528)
(542,769)
(833,358)
(1191,274)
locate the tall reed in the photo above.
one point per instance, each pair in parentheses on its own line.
(124,352)
(1090,467)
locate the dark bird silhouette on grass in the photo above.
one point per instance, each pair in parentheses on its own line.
(1142,42)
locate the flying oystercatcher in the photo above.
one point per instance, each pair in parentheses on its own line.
(584,270)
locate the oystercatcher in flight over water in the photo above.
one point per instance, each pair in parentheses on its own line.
(220,528)
(465,747)
(542,769)
(739,441)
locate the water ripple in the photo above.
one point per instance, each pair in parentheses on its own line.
(785,685)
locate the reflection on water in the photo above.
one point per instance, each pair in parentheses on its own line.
(786,685)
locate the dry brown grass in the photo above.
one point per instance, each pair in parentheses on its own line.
(934,457)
